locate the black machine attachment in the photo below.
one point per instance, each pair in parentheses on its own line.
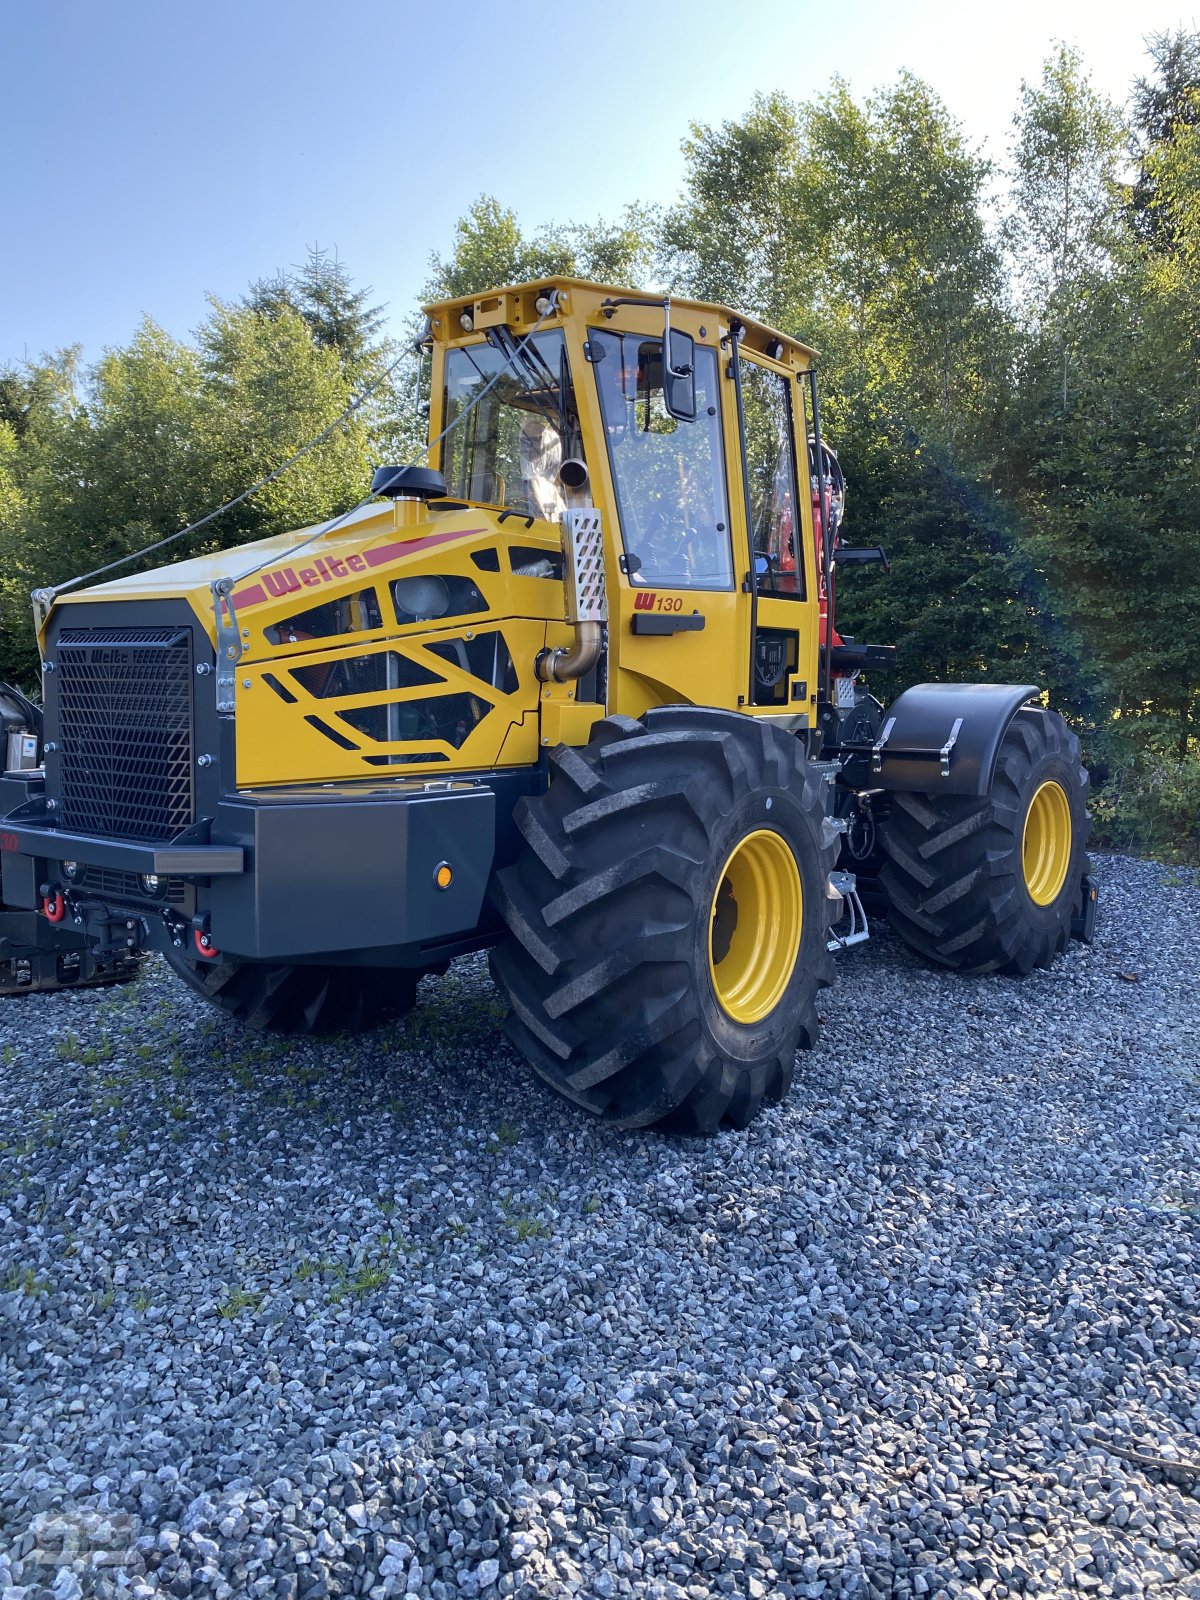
(36,952)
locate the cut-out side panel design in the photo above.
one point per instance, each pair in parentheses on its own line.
(486,657)
(448,718)
(349,613)
(366,674)
(339,739)
(434,596)
(438,699)
(535,561)
(415,758)
(281,689)
(446,683)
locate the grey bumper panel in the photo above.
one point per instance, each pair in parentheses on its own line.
(342,868)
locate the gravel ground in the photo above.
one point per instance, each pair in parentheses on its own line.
(381,1316)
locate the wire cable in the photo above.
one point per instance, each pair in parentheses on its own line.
(43,598)
(336,522)
(47,595)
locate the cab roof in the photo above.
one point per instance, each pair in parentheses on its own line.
(760,335)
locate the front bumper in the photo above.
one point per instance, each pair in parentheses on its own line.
(281,874)
(120,855)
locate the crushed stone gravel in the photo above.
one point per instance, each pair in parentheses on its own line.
(380,1316)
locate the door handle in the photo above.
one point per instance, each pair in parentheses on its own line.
(666,622)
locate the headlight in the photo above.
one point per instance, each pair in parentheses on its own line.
(422,597)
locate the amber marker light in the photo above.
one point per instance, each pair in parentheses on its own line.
(443,875)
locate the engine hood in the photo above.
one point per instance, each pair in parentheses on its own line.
(308,565)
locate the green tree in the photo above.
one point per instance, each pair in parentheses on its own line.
(621,252)
(339,316)
(1062,228)
(1106,468)
(269,388)
(1165,106)
(491,250)
(99,465)
(342,318)
(46,427)
(142,457)
(859,227)
(743,232)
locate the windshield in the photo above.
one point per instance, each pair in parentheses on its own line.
(508,450)
(669,475)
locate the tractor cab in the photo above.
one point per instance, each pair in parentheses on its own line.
(685,428)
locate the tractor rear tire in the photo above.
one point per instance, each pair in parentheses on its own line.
(668,919)
(278,997)
(992,884)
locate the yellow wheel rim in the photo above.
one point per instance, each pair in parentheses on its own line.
(1046,843)
(754,926)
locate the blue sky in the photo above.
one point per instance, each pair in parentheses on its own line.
(157,151)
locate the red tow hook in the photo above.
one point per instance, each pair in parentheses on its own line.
(204,945)
(54,907)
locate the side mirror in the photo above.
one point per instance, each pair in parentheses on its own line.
(679,373)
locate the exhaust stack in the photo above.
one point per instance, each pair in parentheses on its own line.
(586,599)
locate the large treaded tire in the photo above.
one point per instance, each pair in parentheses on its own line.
(954,876)
(278,997)
(609,908)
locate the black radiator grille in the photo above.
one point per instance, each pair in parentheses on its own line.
(125,731)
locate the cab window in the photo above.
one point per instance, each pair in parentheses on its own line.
(669,475)
(771,479)
(508,449)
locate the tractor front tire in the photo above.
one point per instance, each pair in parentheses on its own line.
(668,919)
(992,884)
(279,997)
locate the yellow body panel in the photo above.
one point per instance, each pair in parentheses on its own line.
(337,680)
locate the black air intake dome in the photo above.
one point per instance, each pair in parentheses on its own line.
(413,483)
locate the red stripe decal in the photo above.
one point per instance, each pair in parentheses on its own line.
(383,553)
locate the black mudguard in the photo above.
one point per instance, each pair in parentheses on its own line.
(943,738)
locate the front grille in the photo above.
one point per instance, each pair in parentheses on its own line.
(125,731)
(107,883)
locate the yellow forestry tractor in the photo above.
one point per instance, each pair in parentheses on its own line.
(573,692)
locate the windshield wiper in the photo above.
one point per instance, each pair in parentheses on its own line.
(533,373)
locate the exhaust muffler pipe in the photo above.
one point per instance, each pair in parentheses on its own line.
(586,599)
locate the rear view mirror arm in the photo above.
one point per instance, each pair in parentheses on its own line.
(670,371)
